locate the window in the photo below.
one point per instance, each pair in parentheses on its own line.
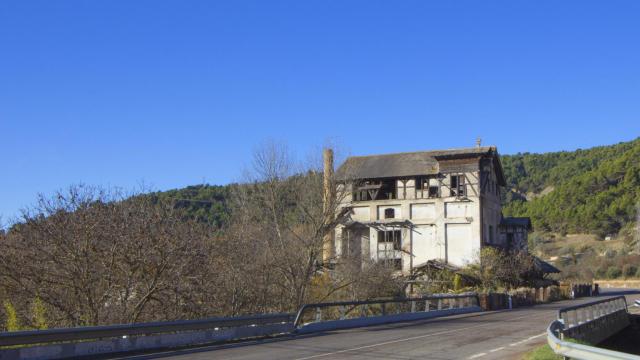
(393,236)
(434,191)
(434,187)
(389,246)
(370,190)
(458,187)
(389,213)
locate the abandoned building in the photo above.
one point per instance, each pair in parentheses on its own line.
(408,208)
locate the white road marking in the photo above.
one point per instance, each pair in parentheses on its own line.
(527,339)
(496,349)
(536,336)
(406,339)
(477,355)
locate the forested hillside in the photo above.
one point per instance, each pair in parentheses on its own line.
(205,203)
(589,191)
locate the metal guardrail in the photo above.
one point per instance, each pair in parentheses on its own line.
(151,328)
(344,310)
(579,314)
(574,317)
(101,340)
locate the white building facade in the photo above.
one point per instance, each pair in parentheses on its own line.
(408,208)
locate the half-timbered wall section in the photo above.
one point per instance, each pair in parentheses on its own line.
(408,208)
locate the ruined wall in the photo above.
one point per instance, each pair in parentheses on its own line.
(446,227)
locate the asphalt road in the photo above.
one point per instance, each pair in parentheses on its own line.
(503,334)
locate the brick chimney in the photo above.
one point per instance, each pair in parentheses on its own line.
(328,198)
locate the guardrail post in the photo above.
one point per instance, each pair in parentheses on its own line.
(427,305)
(363,310)
(342,312)
(384,309)
(439,304)
(413,306)
(451,303)
(318,314)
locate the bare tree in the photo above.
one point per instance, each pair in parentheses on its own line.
(96,257)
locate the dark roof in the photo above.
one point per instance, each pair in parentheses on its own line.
(545,267)
(407,164)
(517,221)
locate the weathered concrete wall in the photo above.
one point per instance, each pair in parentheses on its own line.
(445,227)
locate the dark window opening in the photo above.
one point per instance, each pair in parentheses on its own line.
(434,191)
(369,190)
(393,236)
(389,213)
(419,182)
(458,186)
(389,246)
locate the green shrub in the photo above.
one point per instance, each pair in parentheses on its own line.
(39,315)
(613,272)
(457,282)
(629,270)
(13,324)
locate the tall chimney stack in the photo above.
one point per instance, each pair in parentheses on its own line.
(328,205)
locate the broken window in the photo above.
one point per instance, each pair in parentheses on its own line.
(389,213)
(389,248)
(390,236)
(375,190)
(458,186)
(434,188)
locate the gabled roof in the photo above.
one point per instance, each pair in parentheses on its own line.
(544,266)
(410,163)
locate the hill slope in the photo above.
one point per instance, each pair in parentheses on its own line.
(590,191)
(584,191)
(207,203)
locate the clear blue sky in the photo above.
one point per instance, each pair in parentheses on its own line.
(174,93)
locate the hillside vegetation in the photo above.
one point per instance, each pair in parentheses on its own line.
(592,191)
(585,191)
(204,203)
